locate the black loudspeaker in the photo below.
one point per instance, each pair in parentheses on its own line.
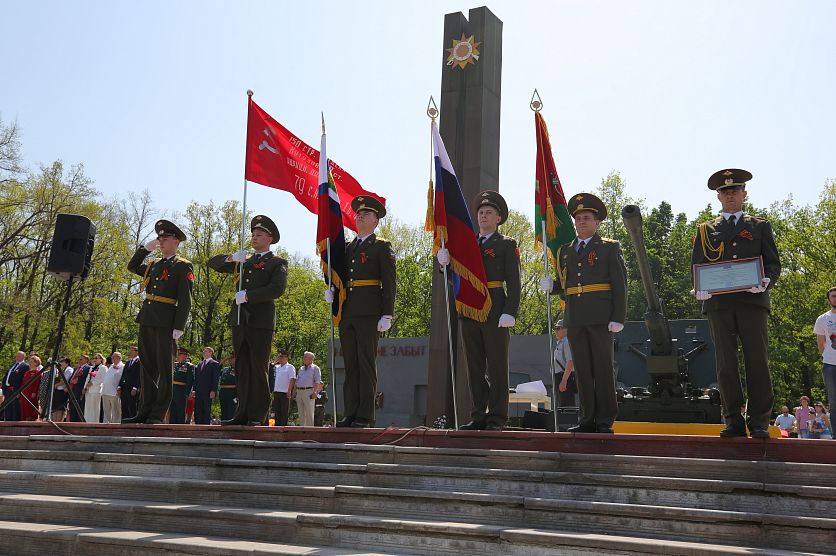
(541,420)
(72,247)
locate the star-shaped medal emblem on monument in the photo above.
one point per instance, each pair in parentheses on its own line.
(465,51)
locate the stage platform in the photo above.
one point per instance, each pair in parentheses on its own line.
(681,446)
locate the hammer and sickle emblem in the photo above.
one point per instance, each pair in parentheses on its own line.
(265,145)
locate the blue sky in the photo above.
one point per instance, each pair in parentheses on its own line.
(152,94)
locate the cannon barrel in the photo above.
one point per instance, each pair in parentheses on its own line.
(657,325)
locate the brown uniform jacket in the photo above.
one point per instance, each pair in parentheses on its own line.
(372,259)
(751,237)
(502,264)
(601,262)
(169,279)
(264,281)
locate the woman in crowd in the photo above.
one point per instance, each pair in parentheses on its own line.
(93,390)
(29,410)
(60,398)
(803,416)
(820,425)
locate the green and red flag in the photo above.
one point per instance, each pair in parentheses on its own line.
(548,197)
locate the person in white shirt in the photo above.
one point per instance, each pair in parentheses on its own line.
(111,403)
(786,421)
(825,330)
(283,388)
(93,389)
(308,383)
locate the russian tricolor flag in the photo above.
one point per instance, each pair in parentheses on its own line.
(451,223)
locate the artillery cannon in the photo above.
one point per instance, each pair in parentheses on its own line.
(670,397)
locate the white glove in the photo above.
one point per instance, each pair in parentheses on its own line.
(241,297)
(762,288)
(546,284)
(238,256)
(701,295)
(329,295)
(615,327)
(506,321)
(152,245)
(443,257)
(175,334)
(385,323)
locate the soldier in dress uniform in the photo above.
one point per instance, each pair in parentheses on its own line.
(182,385)
(228,393)
(265,279)
(593,279)
(167,284)
(735,235)
(486,343)
(367,310)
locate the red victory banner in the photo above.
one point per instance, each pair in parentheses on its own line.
(277,158)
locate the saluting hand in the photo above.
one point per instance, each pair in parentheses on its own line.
(152,245)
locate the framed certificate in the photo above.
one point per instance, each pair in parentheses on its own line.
(728,276)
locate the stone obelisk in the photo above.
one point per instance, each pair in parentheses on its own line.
(471,79)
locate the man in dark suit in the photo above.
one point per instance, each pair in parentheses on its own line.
(367,310)
(207,373)
(740,315)
(77,383)
(129,384)
(486,343)
(167,284)
(264,281)
(11,383)
(593,279)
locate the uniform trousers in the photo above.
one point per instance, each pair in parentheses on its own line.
(228,405)
(592,352)
(486,350)
(92,406)
(177,409)
(252,359)
(202,409)
(748,323)
(281,407)
(305,405)
(112,409)
(358,338)
(157,349)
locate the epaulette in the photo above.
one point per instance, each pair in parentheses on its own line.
(608,240)
(183,260)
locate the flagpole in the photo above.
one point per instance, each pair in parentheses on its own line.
(331,316)
(549,320)
(536,105)
(331,355)
(243,216)
(432,112)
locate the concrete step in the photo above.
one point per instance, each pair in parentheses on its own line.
(762,471)
(37,539)
(429,536)
(654,491)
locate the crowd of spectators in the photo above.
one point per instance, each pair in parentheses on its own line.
(108,389)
